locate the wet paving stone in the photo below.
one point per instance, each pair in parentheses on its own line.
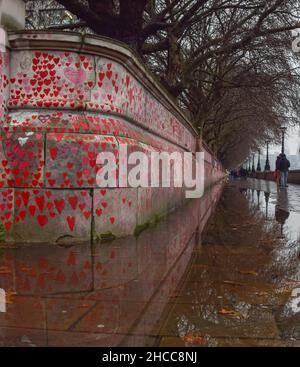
(231,278)
(238,288)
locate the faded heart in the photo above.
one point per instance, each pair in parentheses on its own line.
(75,76)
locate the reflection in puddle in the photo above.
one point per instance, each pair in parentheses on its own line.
(283,208)
(242,286)
(101,295)
(236,283)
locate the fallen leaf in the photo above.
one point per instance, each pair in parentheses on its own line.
(5,270)
(262,293)
(232,283)
(191,339)
(248,272)
(84,305)
(232,313)
(10,297)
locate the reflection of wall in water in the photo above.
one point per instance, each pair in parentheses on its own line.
(122,288)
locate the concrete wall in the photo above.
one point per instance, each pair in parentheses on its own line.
(63,99)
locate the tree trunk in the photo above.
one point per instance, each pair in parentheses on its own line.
(131,22)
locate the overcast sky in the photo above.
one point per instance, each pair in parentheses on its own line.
(292,142)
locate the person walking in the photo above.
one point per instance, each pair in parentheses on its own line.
(284,166)
(277,172)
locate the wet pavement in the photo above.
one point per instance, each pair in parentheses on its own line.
(242,287)
(222,271)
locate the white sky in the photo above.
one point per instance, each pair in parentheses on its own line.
(292,142)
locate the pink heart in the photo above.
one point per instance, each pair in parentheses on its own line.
(85,160)
(75,76)
(74,150)
(23,165)
(86,172)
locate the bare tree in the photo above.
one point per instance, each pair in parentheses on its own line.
(228,63)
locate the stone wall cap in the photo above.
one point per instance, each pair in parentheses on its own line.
(98,45)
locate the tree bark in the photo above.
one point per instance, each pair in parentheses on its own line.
(131,22)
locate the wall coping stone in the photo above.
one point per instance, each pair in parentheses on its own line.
(100,46)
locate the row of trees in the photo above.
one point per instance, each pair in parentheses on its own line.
(228,63)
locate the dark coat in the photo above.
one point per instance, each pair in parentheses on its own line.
(278,160)
(284,165)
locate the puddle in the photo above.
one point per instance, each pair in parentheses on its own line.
(243,287)
(98,295)
(222,271)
